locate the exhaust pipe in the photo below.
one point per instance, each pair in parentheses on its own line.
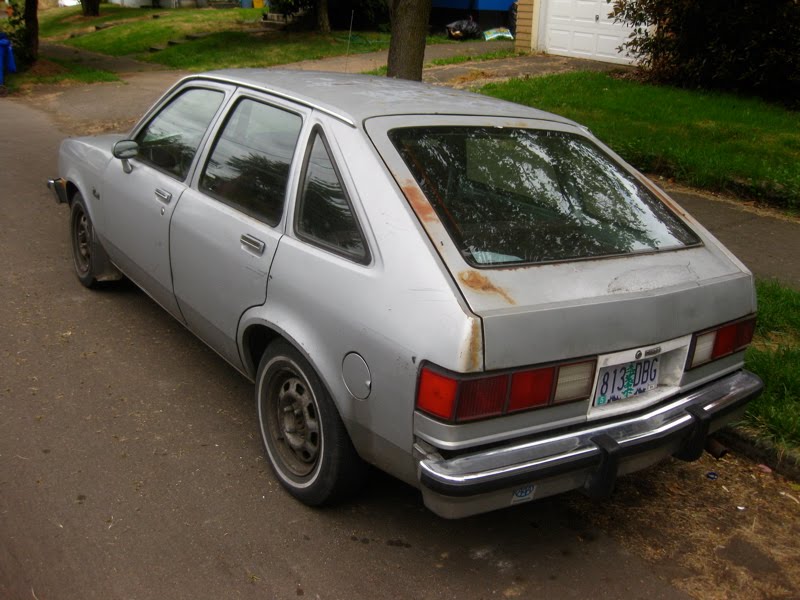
(714,448)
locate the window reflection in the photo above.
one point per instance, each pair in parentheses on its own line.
(170,140)
(519,195)
(249,164)
(325,215)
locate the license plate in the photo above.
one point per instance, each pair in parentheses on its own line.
(619,382)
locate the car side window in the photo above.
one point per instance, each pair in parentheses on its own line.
(248,167)
(324,214)
(170,140)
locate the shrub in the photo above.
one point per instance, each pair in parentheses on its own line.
(751,46)
(18,34)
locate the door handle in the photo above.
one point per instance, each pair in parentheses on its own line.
(252,244)
(165,197)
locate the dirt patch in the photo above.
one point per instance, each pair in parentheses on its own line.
(46,68)
(471,78)
(729,528)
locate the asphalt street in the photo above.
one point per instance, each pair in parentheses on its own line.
(131,467)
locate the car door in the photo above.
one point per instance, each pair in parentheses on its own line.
(226,229)
(139,200)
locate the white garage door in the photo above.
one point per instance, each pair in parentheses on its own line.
(582,28)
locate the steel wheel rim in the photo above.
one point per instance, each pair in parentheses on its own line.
(81,242)
(293,423)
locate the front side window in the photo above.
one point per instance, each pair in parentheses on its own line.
(510,195)
(249,164)
(170,140)
(324,215)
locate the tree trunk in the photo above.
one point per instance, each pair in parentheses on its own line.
(323,22)
(31,17)
(90,8)
(409,19)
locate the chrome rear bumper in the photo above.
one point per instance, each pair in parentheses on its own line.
(589,457)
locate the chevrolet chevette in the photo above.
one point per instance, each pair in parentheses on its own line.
(477,297)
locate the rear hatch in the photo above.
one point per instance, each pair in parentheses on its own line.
(562,249)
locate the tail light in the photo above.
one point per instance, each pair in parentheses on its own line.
(459,398)
(709,345)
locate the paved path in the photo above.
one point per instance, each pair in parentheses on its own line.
(131,467)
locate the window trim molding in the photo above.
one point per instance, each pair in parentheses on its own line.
(366,258)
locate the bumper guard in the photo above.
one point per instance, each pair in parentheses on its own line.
(593,455)
(59,189)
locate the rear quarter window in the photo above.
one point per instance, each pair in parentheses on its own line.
(509,195)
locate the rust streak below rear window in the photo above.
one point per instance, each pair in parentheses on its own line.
(418,202)
(480,283)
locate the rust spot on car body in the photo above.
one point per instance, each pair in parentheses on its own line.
(480,283)
(418,202)
(475,346)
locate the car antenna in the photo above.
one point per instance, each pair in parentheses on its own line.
(349,35)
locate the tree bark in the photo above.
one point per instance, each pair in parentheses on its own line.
(409,25)
(323,22)
(90,8)
(31,17)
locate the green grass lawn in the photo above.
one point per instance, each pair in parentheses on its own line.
(239,49)
(58,71)
(135,30)
(232,37)
(708,140)
(775,357)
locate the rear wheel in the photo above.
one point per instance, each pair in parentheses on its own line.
(82,235)
(306,442)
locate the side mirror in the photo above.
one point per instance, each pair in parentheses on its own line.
(125,149)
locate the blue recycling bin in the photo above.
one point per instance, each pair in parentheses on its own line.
(7,64)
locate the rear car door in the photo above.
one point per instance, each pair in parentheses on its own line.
(139,204)
(227,227)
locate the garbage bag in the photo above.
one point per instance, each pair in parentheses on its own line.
(463,29)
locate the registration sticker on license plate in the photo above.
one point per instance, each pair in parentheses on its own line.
(619,382)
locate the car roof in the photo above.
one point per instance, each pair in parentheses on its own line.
(354,98)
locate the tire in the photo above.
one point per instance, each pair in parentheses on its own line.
(305,440)
(82,237)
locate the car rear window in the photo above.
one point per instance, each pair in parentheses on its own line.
(509,195)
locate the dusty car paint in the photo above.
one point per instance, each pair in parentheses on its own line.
(239,283)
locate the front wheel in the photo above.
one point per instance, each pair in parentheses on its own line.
(306,442)
(82,236)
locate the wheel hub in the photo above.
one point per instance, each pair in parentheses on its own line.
(297,426)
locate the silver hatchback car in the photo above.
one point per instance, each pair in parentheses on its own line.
(477,297)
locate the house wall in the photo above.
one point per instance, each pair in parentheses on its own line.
(525,39)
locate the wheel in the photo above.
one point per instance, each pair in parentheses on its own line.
(306,442)
(81,233)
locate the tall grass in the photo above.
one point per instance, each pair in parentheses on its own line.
(775,357)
